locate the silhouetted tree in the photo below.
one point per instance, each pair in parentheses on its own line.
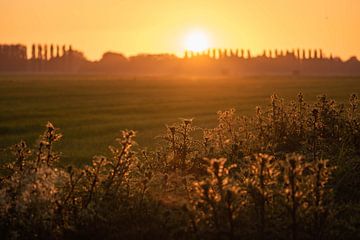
(57,51)
(310,56)
(33,52)
(45,52)
(39,55)
(220,54)
(208,54)
(51,51)
(70,51)
(63,50)
(192,54)
(225,53)
(248,54)
(186,54)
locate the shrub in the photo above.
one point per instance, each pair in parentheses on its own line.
(291,170)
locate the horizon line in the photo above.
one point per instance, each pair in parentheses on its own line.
(212,52)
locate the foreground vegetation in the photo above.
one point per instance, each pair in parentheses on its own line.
(291,171)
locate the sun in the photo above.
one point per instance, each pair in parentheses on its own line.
(196,41)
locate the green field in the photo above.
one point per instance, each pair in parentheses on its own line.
(91,110)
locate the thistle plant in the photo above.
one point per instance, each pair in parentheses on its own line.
(261,183)
(181,146)
(215,199)
(305,193)
(291,170)
(30,190)
(45,152)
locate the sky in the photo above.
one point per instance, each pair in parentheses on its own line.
(161,26)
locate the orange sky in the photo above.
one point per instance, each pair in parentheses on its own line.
(154,26)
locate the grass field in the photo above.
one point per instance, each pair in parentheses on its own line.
(91,110)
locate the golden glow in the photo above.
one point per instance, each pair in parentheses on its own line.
(160,26)
(196,41)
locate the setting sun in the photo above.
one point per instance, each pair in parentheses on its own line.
(196,41)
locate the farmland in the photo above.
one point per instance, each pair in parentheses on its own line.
(91,110)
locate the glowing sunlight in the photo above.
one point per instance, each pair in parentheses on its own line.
(196,41)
